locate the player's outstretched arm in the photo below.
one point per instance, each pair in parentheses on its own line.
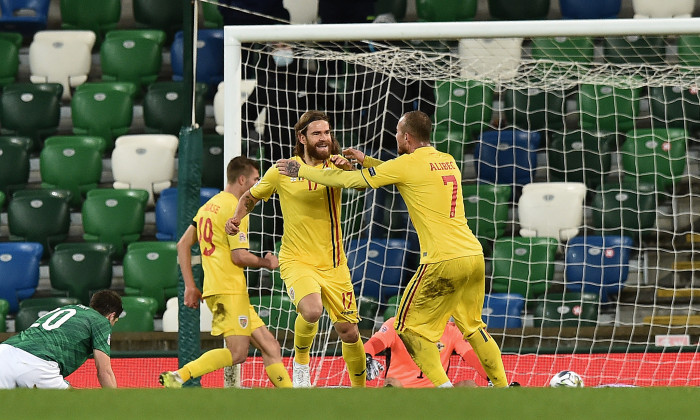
(354,156)
(245,205)
(105,374)
(244,258)
(330,177)
(184,256)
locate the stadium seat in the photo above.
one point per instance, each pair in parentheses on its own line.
(523,266)
(155,35)
(551,209)
(608,107)
(14,163)
(534,109)
(150,269)
(277,310)
(74,167)
(589,9)
(367,308)
(597,264)
(14,37)
(115,217)
(493,58)
(31,110)
(2,200)
(509,10)
(212,17)
(100,87)
(567,310)
(158,14)
(163,107)
(461,108)
(133,59)
(378,266)
(106,112)
(675,106)
(580,156)
(32,309)
(98,17)
(486,207)
(170,316)
(506,157)
(4,310)
(213,161)
(166,212)
(24,16)
(138,315)
(445,11)
(663,9)
(9,62)
(80,269)
(624,209)
(689,50)
(70,140)
(503,310)
(392,305)
(144,161)
(655,155)
(563,49)
(210,57)
(19,271)
(63,57)
(39,215)
(634,49)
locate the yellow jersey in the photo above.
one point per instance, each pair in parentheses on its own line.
(221,275)
(311,213)
(431,185)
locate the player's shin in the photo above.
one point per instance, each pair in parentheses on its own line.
(490,357)
(354,356)
(426,356)
(304,333)
(208,362)
(278,375)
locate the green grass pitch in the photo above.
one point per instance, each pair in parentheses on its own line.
(383,403)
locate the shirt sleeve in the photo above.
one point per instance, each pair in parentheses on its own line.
(101,334)
(240,240)
(371,162)
(334,177)
(382,339)
(267,186)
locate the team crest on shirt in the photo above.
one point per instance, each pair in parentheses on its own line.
(109,340)
(291,293)
(383,329)
(440,346)
(242,237)
(243,320)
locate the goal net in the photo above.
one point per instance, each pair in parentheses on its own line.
(578,147)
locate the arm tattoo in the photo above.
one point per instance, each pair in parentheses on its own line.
(249,204)
(293,168)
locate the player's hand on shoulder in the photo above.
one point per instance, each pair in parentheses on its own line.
(272,261)
(232,226)
(288,167)
(354,156)
(192,297)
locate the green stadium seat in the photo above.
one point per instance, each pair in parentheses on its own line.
(98,87)
(452,143)
(277,310)
(510,10)
(14,37)
(624,209)
(74,167)
(138,315)
(39,215)
(580,156)
(675,106)
(212,161)
(80,269)
(689,50)
(2,199)
(155,35)
(105,111)
(567,310)
(655,155)
(445,10)
(115,217)
(150,269)
(462,107)
(9,62)
(14,163)
(158,14)
(524,266)
(211,15)
(392,305)
(33,308)
(534,109)
(133,59)
(98,17)
(634,49)
(608,107)
(486,207)
(93,142)
(563,49)
(31,110)
(367,308)
(163,106)
(4,310)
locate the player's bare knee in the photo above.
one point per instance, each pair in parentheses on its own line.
(311,314)
(348,333)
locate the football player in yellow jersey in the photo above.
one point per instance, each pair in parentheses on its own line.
(225,292)
(312,260)
(450,279)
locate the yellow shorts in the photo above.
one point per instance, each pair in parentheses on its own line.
(232,315)
(334,285)
(440,290)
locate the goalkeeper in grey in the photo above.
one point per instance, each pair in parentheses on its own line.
(59,342)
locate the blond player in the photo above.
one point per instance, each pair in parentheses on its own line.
(451,277)
(401,371)
(312,260)
(225,292)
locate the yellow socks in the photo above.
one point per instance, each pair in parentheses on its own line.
(208,362)
(304,333)
(490,357)
(354,355)
(278,375)
(426,356)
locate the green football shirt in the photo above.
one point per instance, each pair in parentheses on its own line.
(66,335)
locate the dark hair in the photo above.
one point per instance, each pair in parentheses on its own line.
(303,124)
(240,165)
(107,301)
(418,124)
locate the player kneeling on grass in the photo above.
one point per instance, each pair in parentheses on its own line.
(225,291)
(402,371)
